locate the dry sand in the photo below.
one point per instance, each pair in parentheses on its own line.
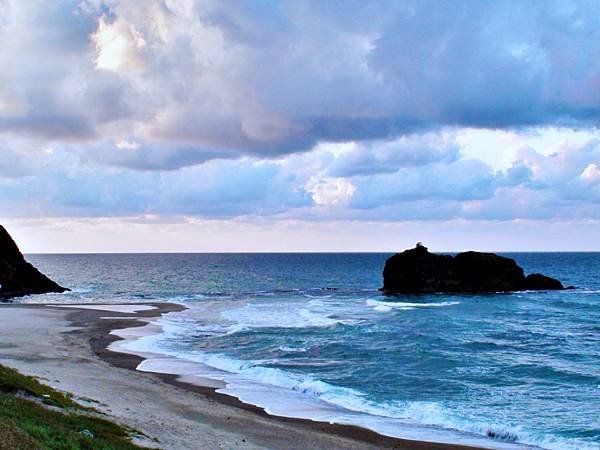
(66,348)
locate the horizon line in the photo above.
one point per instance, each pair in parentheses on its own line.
(298,252)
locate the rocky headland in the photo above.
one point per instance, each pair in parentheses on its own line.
(17,276)
(419,271)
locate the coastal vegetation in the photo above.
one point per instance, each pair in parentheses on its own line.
(36,416)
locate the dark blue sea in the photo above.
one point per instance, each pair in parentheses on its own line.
(309,335)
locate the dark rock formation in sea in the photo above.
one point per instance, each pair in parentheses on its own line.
(418,271)
(17,276)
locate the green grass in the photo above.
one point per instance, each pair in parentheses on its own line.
(26,422)
(12,381)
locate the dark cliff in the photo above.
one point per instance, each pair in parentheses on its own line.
(17,276)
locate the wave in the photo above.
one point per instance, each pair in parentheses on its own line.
(79,290)
(435,414)
(287,393)
(250,383)
(287,348)
(382,306)
(423,413)
(273,315)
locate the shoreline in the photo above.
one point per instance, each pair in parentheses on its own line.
(131,362)
(94,327)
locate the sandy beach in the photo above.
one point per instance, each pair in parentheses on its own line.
(67,349)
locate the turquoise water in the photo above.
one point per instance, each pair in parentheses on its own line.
(514,368)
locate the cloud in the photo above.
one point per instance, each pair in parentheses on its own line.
(12,164)
(299,110)
(591,173)
(275,78)
(461,181)
(389,156)
(330,191)
(562,183)
(43,52)
(136,155)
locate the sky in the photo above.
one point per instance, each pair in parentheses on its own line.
(303,125)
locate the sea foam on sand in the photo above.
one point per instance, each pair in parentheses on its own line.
(112,308)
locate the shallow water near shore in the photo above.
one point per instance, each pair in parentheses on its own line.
(288,330)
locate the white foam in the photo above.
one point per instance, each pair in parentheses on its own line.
(277,315)
(113,308)
(79,290)
(435,414)
(290,394)
(280,392)
(382,306)
(287,348)
(317,296)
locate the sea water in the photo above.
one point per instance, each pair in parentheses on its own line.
(310,335)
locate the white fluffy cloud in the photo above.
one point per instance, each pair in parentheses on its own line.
(330,191)
(591,173)
(536,185)
(304,109)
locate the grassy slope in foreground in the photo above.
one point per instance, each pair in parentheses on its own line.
(36,416)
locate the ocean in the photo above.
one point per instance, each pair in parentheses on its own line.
(310,335)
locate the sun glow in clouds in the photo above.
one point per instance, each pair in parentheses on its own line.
(117,45)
